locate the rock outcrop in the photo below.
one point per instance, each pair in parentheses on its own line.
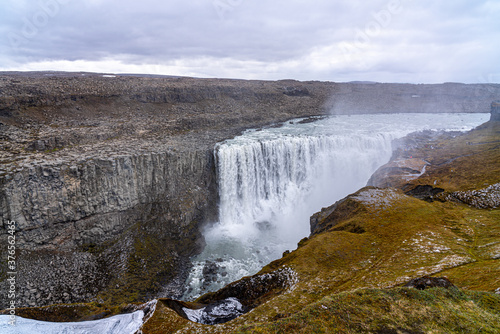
(426,282)
(134,215)
(495,111)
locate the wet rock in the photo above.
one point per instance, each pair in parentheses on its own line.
(424,192)
(426,282)
(250,290)
(216,313)
(236,298)
(264,225)
(210,271)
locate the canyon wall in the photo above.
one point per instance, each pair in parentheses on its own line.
(110,179)
(495,111)
(388,97)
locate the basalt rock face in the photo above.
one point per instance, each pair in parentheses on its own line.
(495,111)
(127,221)
(393,98)
(109,179)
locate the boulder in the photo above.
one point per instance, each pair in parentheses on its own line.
(425,282)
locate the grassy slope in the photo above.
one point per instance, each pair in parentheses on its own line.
(470,161)
(400,310)
(345,272)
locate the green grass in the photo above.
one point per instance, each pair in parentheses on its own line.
(434,310)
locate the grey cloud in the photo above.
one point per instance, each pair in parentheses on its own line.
(268,33)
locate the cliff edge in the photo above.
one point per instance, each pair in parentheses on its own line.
(495,111)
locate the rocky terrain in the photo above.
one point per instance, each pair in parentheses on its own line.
(110,178)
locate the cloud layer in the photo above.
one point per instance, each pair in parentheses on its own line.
(383,40)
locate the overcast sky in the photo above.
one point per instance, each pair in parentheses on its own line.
(418,41)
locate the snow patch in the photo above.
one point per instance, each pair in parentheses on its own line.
(118,324)
(495,252)
(426,243)
(216,313)
(379,197)
(450,261)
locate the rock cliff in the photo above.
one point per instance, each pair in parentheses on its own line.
(495,111)
(109,179)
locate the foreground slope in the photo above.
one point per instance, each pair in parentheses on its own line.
(441,220)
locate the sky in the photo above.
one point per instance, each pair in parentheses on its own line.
(416,41)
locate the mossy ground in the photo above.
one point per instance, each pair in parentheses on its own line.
(151,261)
(68,312)
(470,161)
(400,310)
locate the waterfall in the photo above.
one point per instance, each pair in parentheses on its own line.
(272,180)
(269,183)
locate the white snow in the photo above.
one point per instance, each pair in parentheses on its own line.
(119,324)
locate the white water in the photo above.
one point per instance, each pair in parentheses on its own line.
(272,180)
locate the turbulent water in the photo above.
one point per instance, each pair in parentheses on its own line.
(272,180)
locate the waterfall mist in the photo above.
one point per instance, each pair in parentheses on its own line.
(272,180)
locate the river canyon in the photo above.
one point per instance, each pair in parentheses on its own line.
(125,189)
